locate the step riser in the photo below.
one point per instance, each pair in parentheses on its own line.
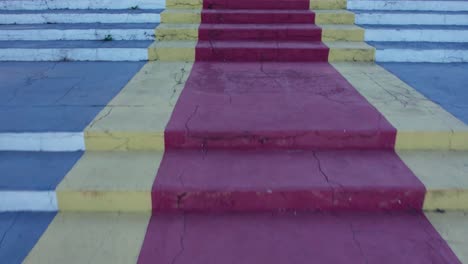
(45,18)
(77,34)
(300,200)
(260,34)
(298,140)
(82,54)
(260,18)
(408,5)
(246,55)
(412,19)
(259,4)
(409,55)
(415,35)
(80,4)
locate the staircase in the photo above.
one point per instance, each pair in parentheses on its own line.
(237,142)
(254,30)
(415,31)
(77,31)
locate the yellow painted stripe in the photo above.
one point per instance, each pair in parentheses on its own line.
(181,16)
(342,33)
(421,124)
(334,17)
(77,238)
(177,32)
(314,4)
(110,181)
(350,51)
(453,227)
(327,4)
(136,118)
(444,173)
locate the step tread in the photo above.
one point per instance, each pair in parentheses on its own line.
(74,44)
(70,26)
(66,98)
(230,180)
(299,89)
(419,45)
(230,238)
(261,44)
(293,238)
(19,169)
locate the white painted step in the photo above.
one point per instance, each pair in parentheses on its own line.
(80,4)
(416,33)
(74,50)
(416,5)
(77,32)
(411,18)
(420,52)
(79,16)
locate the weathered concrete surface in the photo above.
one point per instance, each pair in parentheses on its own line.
(58,97)
(266,105)
(110,181)
(421,124)
(444,84)
(19,232)
(251,181)
(91,238)
(453,227)
(445,176)
(294,238)
(136,118)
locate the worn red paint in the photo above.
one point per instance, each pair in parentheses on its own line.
(274,105)
(228,180)
(293,238)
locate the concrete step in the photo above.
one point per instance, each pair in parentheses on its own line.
(185,51)
(269,180)
(81,4)
(74,50)
(298,4)
(231,16)
(381,17)
(420,52)
(171,32)
(413,5)
(260,32)
(81,31)
(141,238)
(190,16)
(233,181)
(242,51)
(53,16)
(416,33)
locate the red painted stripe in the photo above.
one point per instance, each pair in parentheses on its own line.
(257,4)
(293,238)
(214,16)
(260,32)
(227,180)
(274,105)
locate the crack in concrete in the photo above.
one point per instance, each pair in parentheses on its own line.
(357,243)
(102,117)
(181,239)
(187,129)
(12,224)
